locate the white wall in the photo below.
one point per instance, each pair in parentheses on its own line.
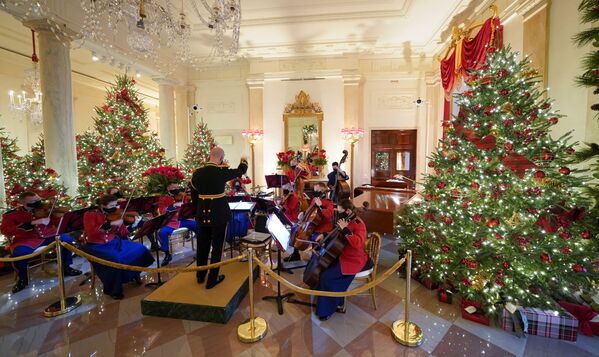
(563,66)
(328,92)
(225,110)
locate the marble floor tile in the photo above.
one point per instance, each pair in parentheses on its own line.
(25,341)
(459,342)
(176,348)
(541,346)
(508,341)
(428,300)
(344,328)
(148,333)
(301,339)
(433,326)
(385,301)
(377,341)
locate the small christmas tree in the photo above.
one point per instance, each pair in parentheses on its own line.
(198,151)
(29,172)
(121,147)
(501,220)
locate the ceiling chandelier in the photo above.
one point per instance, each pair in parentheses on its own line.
(223,19)
(29,103)
(146,26)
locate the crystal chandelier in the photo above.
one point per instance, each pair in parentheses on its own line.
(223,19)
(23,103)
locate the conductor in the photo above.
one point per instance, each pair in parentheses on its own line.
(212,210)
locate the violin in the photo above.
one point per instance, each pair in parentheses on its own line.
(182,196)
(127,217)
(49,210)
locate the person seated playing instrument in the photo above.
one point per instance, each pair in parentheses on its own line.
(290,203)
(108,240)
(333,178)
(352,260)
(29,232)
(172,202)
(327,208)
(296,170)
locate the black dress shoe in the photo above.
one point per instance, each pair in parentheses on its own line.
(324,318)
(341,309)
(68,271)
(167,259)
(295,256)
(219,280)
(117,296)
(201,278)
(20,285)
(137,280)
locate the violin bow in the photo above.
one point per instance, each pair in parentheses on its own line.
(128,201)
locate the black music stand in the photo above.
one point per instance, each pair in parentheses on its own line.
(152,227)
(241,206)
(285,297)
(276,181)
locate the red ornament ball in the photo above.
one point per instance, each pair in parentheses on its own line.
(475,185)
(565,235)
(565,249)
(441,185)
(578,268)
(498,236)
(476,217)
(504,92)
(553,120)
(431,164)
(509,147)
(492,222)
(448,221)
(419,229)
(445,249)
(539,175)
(585,234)
(545,258)
(564,171)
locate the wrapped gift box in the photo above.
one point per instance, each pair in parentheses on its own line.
(544,323)
(477,316)
(587,318)
(445,295)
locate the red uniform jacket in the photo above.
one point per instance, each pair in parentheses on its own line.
(326,225)
(354,257)
(92,225)
(17,224)
(291,206)
(292,174)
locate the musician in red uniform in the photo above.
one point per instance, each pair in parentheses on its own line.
(352,260)
(290,204)
(108,240)
(327,207)
(168,203)
(296,170)
(29,233)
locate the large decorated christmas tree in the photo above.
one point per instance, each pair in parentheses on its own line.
(120,147)
(501,220)
(29,172)
(198,151)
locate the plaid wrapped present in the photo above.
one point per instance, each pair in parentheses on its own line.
(563,326)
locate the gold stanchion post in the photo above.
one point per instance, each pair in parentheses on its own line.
(405,332)
(255,328)
(65,304)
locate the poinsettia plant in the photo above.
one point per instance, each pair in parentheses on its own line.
(157,179)
(319,157)
(284,157)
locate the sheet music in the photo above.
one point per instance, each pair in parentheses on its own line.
(241,206)
(279,232)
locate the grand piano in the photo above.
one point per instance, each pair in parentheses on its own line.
(383,203)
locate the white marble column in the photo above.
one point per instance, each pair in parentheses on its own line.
(57,107)
(183,120)
(256,97)
(353,99)
(166,94)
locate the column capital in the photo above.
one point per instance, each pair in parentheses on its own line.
(255,82)
(432,78)
(61,31)
(351,78)
(165,81)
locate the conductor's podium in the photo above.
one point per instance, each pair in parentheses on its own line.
(183,298)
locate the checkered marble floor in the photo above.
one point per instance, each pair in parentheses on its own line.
(105,327)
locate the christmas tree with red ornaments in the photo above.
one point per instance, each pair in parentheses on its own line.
(198,151)
(120,147)
(501,219)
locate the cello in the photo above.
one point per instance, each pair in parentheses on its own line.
(330,249)
(300,239)
(341,190)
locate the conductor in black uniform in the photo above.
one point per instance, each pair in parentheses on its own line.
(212,210)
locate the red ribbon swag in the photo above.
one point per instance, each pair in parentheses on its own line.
(468,55)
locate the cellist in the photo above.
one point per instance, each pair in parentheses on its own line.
(327,208)
(352,260)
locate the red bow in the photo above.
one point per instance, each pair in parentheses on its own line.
(518,163)
(584,315)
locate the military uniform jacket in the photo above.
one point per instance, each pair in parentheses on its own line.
(208,192)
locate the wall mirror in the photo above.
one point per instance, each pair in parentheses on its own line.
(303,124)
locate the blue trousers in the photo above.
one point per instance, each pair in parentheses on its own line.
(238,227)
(21,266)
(121,251)
(332,279)
(165,232)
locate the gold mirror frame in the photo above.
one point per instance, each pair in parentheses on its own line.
(303,107)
